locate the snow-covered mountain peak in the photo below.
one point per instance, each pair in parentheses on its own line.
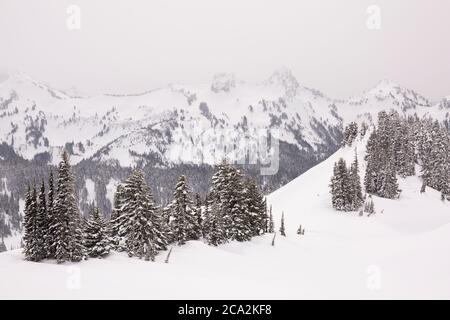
(23,86)
(385,85)
(223,82)
(387,88)
(283,77)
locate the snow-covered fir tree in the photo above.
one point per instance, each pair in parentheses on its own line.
(50,227)
(369,206)
(197,230)
(215,229)
(439,159)
(97,240)
(2,245)
(140,221)
(381,150)
(341,188)
(271,224)
(282,229)
(182,219)
(42,222)
(363,130)
(372,166)
(256,208)
(31,244)
(355,185)
(66,223)
(241,220)
(117,218)
(227,194)
(350,133)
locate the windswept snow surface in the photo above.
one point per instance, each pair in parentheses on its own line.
(403,251)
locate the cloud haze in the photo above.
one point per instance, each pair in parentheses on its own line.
(133,45)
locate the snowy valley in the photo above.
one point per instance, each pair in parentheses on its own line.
(401,251)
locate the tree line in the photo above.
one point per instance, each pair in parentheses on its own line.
(234,209)
(394,148)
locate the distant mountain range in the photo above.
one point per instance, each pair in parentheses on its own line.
(181,128)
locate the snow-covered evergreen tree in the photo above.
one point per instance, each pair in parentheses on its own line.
(216,233)
(97,240)
(2,245)
(271,227)
(67,221)
(242,221)
(256,208)
(341,190)
(228,197)
(372,166)
(350,133)
(51,225)
(182,220)
(355,185)
(42,223)
(31,244)
(117,218)
(140,221)
(381,155)
(369,206)
(282,229)
(197,230)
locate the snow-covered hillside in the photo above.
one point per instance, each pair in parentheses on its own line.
(400,252)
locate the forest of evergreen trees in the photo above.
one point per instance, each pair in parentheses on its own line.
(394,148)
(234,209)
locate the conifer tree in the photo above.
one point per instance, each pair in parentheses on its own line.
(256,208)
(50,226)
(140,222)
(382,155)
(228,196)
(117,219)
(42,223)
(220,195)
(370,178)
(197,231)
(271,228)
(96,238)
(282,230)
(369,206)
(241,219)
(350,133)
(355,183)
(216,234)
(266,217)
(67,221)
(182,221)
(341,189)
(2,245)
(31,246)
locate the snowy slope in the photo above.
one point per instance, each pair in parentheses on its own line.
(400,252)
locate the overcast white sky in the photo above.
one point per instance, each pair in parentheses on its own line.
(128,46)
